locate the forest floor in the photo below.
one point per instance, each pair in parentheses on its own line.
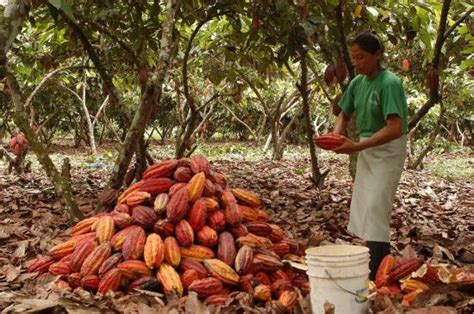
(433,216)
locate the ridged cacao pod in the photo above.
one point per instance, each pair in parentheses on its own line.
(280,285)
(164,228)
(170,281)
(233,214)
(84,226)
(221,271)
(281,249)
(279,275)
(134,244)
(248,213)
(199,163)
(156,186)
(288,299)
(73,279)
(247,197)
(226,250)
(259,228)
(90,283)
(277,234)
(131,189)
(217,220)
(110,282)
(341,70)
(406,65)
(197,252)
(207,236)
(145,283)
(227,198)
(165,168)
(220,179)
(172,251)
(92,263)
(329,141)
(119,238)
(209,188)
(59,269)
(206,286)
(105,229)
(121,220)
(196,186)
(252,240)
(177,187)
(243,260)
(188,264)
(263,278)
(133,269)
(81,252)
(188,277)
(432,80)
(108,198)
(144,216)
(122,208)
(184,162)
(197,215)
(262,293)
(154,251)
(211,204)
(268,262)
(41,264)
(136,198)
(183,174)
(184,233)
(384,269)
(216,299)
(160,203)
(178,205)
(404,269)
(263,215)
(239,231)
(110,263)
(62,249)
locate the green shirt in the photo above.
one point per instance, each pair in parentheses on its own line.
(373,100)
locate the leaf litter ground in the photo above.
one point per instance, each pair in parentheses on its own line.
(432,216)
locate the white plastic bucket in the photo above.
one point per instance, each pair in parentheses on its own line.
(338,274)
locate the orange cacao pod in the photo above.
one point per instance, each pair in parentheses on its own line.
(406,65)
(262,293)
(63,249)
(154,251)
(211,204)
(188,277)
(162,169)
(134,244)
(164,228)
(83,226)
(110,281)
(248,213)
(329,141)
(156,186)
(288,299)
(385,267)
(159,205)
(169,280)
(226,250)
(197,215)
(40,264)
(243,260)
(280,285)
(197,252)
(144,216)
(262,215)
(132,188)
(199,163)
(221,271)
(216,299)
(251,240)
(233,214)
(137,197)
(119,238)
(184,233)
(110,263)
(105,229)
(92,263)
(133,269)
(217,221)
(172,251)
(190,264)
(183,174)
(81,252)
(178,205)
(206,286)
(207,236)
(196,186)
(281,248)
(90,283)
(277,234)
(247,197)
(59,269)
(409,285)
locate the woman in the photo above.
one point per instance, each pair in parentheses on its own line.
(377,98)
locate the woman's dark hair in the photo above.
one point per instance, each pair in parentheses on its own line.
(369,42)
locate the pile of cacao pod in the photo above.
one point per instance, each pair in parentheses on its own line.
(407,278)
(180,229)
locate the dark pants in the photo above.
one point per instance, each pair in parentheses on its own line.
(377,251)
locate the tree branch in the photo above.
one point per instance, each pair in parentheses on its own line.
(459,21)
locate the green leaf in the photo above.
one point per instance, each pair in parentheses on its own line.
(64,6)
(372,11)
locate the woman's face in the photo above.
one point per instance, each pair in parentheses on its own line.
(366,63)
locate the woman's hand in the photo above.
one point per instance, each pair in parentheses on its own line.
(348,147)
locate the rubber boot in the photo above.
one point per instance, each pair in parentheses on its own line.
(377,251)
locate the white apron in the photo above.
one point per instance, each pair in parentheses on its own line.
(378,173)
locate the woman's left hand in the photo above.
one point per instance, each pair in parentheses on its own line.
(348,147)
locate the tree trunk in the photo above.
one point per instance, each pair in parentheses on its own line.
(87,117)
(150,98)
(317,177)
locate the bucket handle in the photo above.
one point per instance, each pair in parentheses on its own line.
(362,298)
